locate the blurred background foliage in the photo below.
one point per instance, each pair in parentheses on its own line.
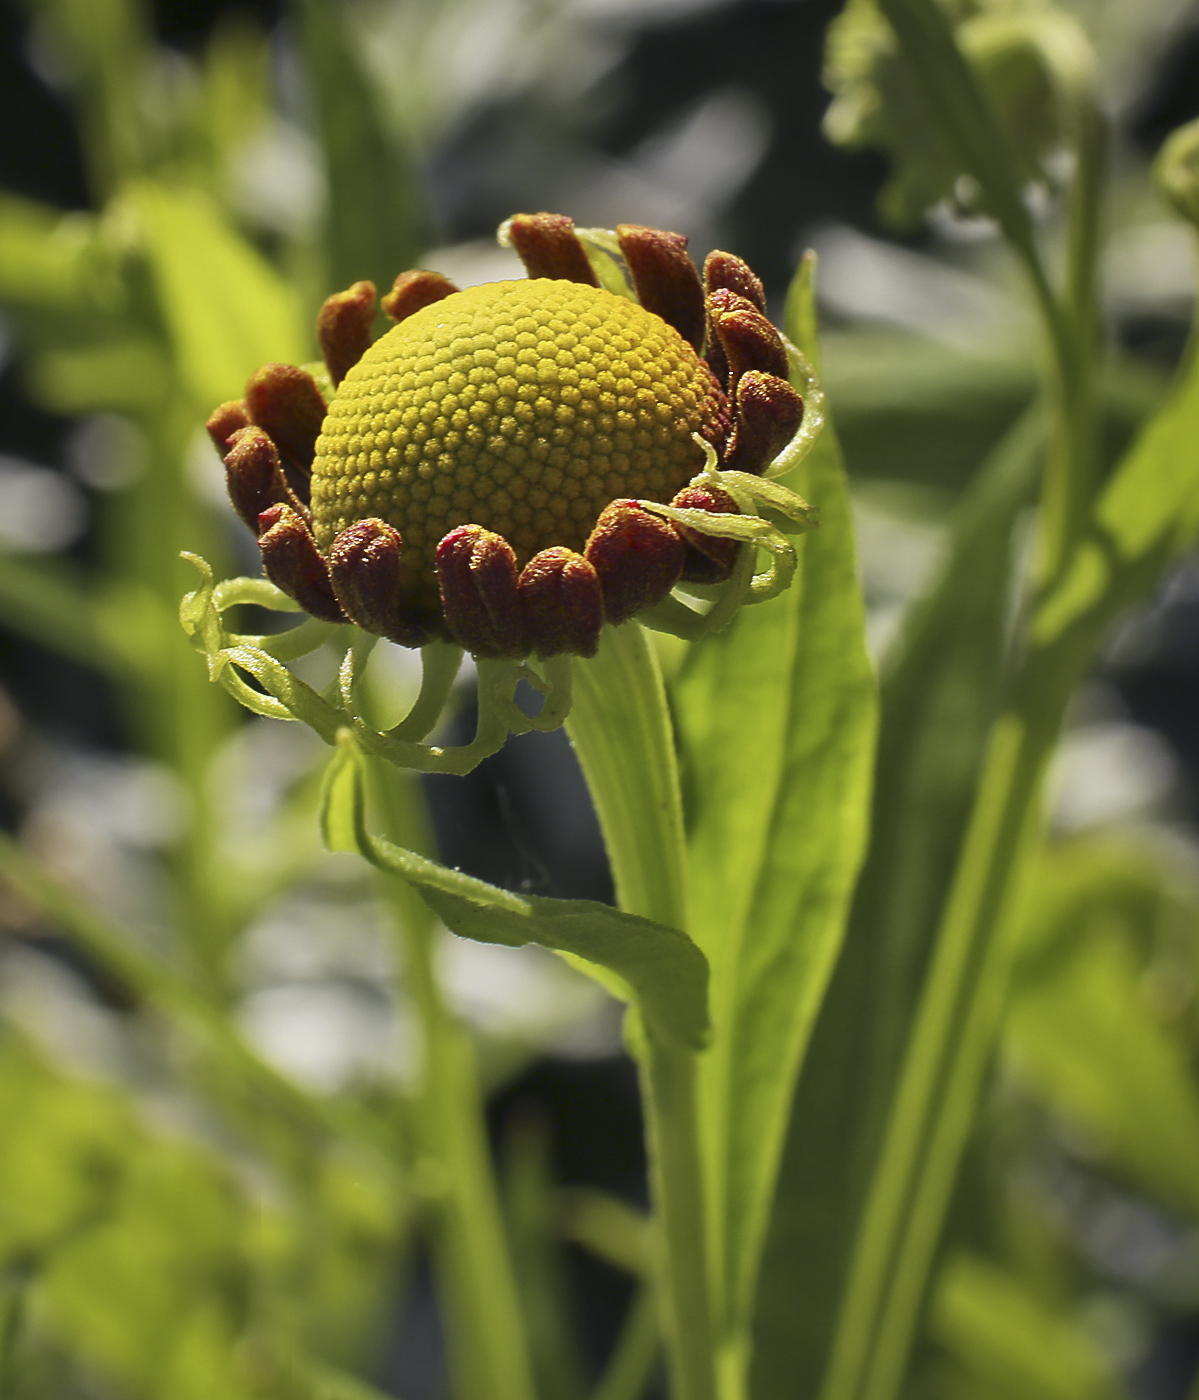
(208,1179)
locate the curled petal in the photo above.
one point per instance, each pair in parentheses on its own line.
(717,303)
(413,291)
(750,342)
(292,563)
(665,278)
(709,558)
(476,571)
(343,328)
(769,412)
(364,568)
(224,421)
(638,557)
(726,271)
(253,476)
(285,401)
(562,602)
(549,247)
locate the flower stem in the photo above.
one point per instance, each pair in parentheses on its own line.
(487,1338)
(621,730)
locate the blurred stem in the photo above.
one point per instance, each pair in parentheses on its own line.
(621,729)
(1072,471)
(488,1349)
(632,1362)
(950,1047)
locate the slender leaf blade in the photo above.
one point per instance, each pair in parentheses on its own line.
(776,720)
(665,970)
(939,696)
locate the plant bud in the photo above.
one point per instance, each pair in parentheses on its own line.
(253,476)
(709,558)
(1176,170)
(343,328)
(562,602)
(476,572)
(292,563)
(638,557)
(549,247)
(769,412)
(285,401)
(413,291)
(665,278)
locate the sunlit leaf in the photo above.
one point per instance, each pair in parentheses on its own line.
(776,722)
(665,970)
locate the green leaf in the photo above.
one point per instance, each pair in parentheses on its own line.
(1009,1341)
(939,696)
(226,310)
(1082,1032)
(664,969)
(775,718)
(375,206)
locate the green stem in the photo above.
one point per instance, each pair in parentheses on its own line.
(949,1050)
(440,664)
(628,1372)
(620,727)
(488,1347)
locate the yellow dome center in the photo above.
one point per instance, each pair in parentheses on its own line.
(524,407)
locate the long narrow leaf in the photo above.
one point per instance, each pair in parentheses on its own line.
(776,719)
(664,969)
(939,698)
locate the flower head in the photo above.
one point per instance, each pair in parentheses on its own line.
(514,464)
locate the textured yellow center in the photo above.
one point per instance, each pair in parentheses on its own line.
(524,407)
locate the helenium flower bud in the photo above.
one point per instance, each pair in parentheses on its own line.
(497,469)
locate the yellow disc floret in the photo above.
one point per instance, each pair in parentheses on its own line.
(524,407)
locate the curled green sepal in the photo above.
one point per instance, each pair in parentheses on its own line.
(805,379)
(664,971)
(231,657)
(750,492)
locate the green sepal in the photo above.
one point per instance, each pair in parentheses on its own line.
(665,971)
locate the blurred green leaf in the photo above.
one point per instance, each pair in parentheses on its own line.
(1010,1343)
(226,310)
(1083,1032)
(939,697)
(104,48)
(374,217)
(776,719)
(664,969)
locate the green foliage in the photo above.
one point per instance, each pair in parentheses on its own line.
(871,999)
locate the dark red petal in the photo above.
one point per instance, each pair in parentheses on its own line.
(769,412)
(549,247)
(727,271)
(562,602)
(750,342)
(638,557)
(665,278)
(415,290)
(343,328)
(224,421)
(364,568)
(476,571)
(253,476)
(716,304)
(709,558)
(285,401)
(292,563)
